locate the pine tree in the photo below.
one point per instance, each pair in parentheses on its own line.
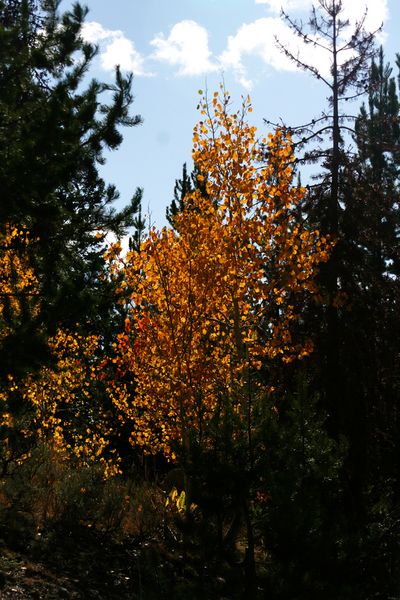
(356,326)
(183,188)
(349,57)
(350,52)
(371,229)
(54,128)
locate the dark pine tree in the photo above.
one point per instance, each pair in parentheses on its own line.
(183,187)
(55,125)
(355,322)
(371,226)
(323,141)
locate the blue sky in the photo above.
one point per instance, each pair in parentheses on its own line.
(176,47)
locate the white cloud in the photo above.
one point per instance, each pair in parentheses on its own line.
(116,49)
(187,44)
(258,38)
(186,47)
(276,5)
(377,10)
(122,52)
(93,32)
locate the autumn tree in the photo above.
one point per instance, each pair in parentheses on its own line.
(19,307)
(213,299)
(19,303)
(199,293)
(63,407)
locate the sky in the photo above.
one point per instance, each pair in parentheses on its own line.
(175,48)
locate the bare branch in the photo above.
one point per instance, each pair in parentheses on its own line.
(300,64)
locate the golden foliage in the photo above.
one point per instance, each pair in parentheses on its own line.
(214,298)
(18,282)
(62,405)
(66,403)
